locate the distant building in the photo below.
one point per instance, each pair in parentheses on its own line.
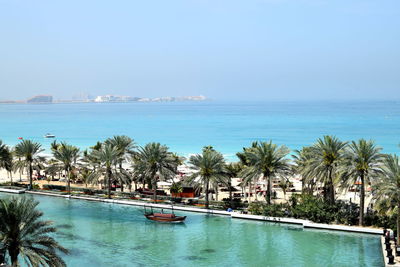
(115,98)
(41,99)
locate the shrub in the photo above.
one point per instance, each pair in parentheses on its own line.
(235,203)
(346,213)
(54,187)
(380,220)
(36,186)
(312,208)
(276,210)
(256,208)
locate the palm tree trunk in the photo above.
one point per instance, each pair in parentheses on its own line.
(109,181)
(331,190)
(207,188)
(30,176)
(269,189)
(154,186)
(14,252)
(230,192)
(68,181)
(249,192)
(121,181)
(11,181)
(312,187)
(362,199)
(155,190)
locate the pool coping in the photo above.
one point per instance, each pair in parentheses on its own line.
(14,191)
(235,215)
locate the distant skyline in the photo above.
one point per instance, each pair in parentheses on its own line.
(251,50)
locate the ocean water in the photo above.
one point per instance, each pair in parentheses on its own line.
(104,234)
(187,127)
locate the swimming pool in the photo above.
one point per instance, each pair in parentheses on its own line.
(104,234)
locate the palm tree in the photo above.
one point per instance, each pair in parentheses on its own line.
(266,160)
(24,236)
(85,174)
(232,170)
(107,156)
(125,146)
(363,162)
(388,188)
(176,188)
(67,156)
(209,168)
(302,162)
(155,162)
(284,184)
(29,151)
(3,154)
(6,159)
(327,157)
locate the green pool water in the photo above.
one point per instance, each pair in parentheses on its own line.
(102,234)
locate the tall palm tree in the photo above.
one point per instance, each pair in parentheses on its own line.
(328,155)
(209,169)
(266,160)
(387,190)
(302,161)
(107,156)
(125,146)
(29,152)
(24,236)
(245,164)
(3,154)
(155,162)
(6,159)
(363,162)
(232,170)
(67,156)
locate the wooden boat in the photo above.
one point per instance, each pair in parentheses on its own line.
(163,217)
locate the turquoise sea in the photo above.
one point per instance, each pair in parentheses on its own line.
(103,234)
(187,127)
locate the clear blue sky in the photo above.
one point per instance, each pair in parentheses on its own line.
(261,49)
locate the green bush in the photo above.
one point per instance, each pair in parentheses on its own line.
(276,210)
(235,203)
(312,208)
(272,210)
(35,186)
(376,219)
(54,187)
(346,213)
(256,208)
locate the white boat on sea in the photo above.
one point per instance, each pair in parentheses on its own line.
(49,135)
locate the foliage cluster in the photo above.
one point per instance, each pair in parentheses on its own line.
(318,210)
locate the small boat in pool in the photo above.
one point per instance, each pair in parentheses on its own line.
(49,135)
(163,217)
